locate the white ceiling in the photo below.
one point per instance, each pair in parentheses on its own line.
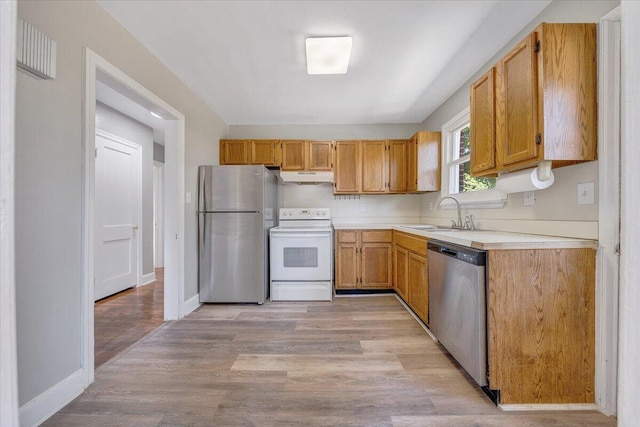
(246,59)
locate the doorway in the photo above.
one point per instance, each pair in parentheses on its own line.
(173,212)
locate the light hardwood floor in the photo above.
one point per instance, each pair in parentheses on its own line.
(352,362)
(123,319)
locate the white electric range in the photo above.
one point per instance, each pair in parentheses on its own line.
(301,255)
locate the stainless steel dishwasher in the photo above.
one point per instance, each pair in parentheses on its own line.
(457,304)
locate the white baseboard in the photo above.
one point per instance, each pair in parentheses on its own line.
(551,407)
(42,407)
(191,304)
(148,278)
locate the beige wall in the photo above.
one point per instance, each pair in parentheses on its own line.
(49,181)
(556,210)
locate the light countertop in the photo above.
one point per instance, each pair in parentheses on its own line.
(482,239)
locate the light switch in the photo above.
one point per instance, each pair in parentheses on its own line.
(529,198)
(586,193)
(188,197)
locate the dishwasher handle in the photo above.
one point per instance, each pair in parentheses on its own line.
(450,252)
(461,253)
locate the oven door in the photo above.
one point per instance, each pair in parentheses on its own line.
(300,255)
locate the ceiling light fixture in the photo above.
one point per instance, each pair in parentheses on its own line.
(328,55)
(156,115)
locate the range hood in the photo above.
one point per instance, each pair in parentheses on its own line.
(306,177)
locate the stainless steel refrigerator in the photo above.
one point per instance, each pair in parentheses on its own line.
(237,205)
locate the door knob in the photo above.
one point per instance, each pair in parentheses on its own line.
(135,227)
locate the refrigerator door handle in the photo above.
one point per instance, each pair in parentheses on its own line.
(202,188)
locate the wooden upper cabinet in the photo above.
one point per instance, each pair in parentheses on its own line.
(320,155)
(264,152)
(299,155)
(545,102)
(293,155)
(568,93)
(234,151)
(518,103)
(483,131)
(423,162)
(397,167)
(347,167)
(374,166)
(249,152)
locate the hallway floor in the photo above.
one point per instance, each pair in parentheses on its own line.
(351,362)
(123,319)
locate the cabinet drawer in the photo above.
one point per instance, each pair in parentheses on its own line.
(414,244)
(347,236)
(377,236)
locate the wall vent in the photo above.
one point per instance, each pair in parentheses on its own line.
(36,52)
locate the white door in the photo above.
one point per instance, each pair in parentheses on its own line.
(118,200)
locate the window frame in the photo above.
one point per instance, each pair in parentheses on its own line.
(488,199)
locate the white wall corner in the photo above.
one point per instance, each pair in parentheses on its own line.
(8,343)
(607,263)
(191,304)
(629,343)
(43,406)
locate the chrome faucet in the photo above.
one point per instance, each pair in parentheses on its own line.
(468,224)
(453,224)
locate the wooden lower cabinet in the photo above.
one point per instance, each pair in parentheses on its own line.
(418,285)
(400,270)
(541,333)
(411,279)
(364,259)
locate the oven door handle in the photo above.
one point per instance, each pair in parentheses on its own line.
(288,234)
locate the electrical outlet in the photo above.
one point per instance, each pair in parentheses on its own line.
(188,197)
(363,207)
(529,198)
(586,194)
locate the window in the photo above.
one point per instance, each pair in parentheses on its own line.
(456,174)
